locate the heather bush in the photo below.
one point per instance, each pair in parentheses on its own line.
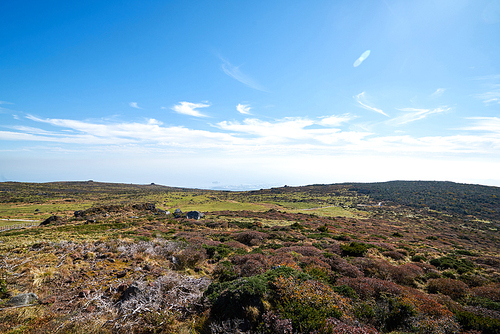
(406,274)
(488,291)
(250,264)
(190,257)
(473,280)
(394,255)
(250,238)
(225,271)
(274,324)
(343,267)
(371,287)
(431,325)
(320,273)
(335,326)
(449,287)
(374,268)
(308,261)
(276,260)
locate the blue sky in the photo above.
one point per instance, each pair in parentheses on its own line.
(250,94)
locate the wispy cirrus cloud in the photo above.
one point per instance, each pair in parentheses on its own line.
(488,124)
(335,120)
(492,87)
(361,99)
(5,102)
(243,109)
(492,97)
(134,105)
(438,92)
(188,108)
(235,73)
(414,114)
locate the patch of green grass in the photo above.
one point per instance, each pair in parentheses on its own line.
(333,211)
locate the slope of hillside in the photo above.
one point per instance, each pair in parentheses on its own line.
(313,259)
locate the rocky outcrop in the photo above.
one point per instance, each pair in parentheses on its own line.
(23,299)
(50,220)
(194,215)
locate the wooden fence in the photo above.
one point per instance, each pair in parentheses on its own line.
(18,226)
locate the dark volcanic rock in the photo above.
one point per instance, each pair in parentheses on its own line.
(194,215)
(130,292)
(51,219)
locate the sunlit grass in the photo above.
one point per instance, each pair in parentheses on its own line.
(333,211)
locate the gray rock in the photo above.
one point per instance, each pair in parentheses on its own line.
(194,215)
(23,299)
(177,213)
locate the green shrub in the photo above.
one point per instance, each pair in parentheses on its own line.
(465,252)
(3,288)
(471,321)
(230,299)
(323,228)
(354,249)
(308,304)
(485,302)
(346,290)
(217,252)
(418,258)
(396,313)
(450,262)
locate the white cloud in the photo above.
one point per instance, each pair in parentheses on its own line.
(188,108)
(488,124)
(361,58)
(235,73)
(335,120)
(5,102)
(438,92)
(243,109)
(492,95)
(134,105)
(284,136)
(413,114)
(361,99)
(488,98)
